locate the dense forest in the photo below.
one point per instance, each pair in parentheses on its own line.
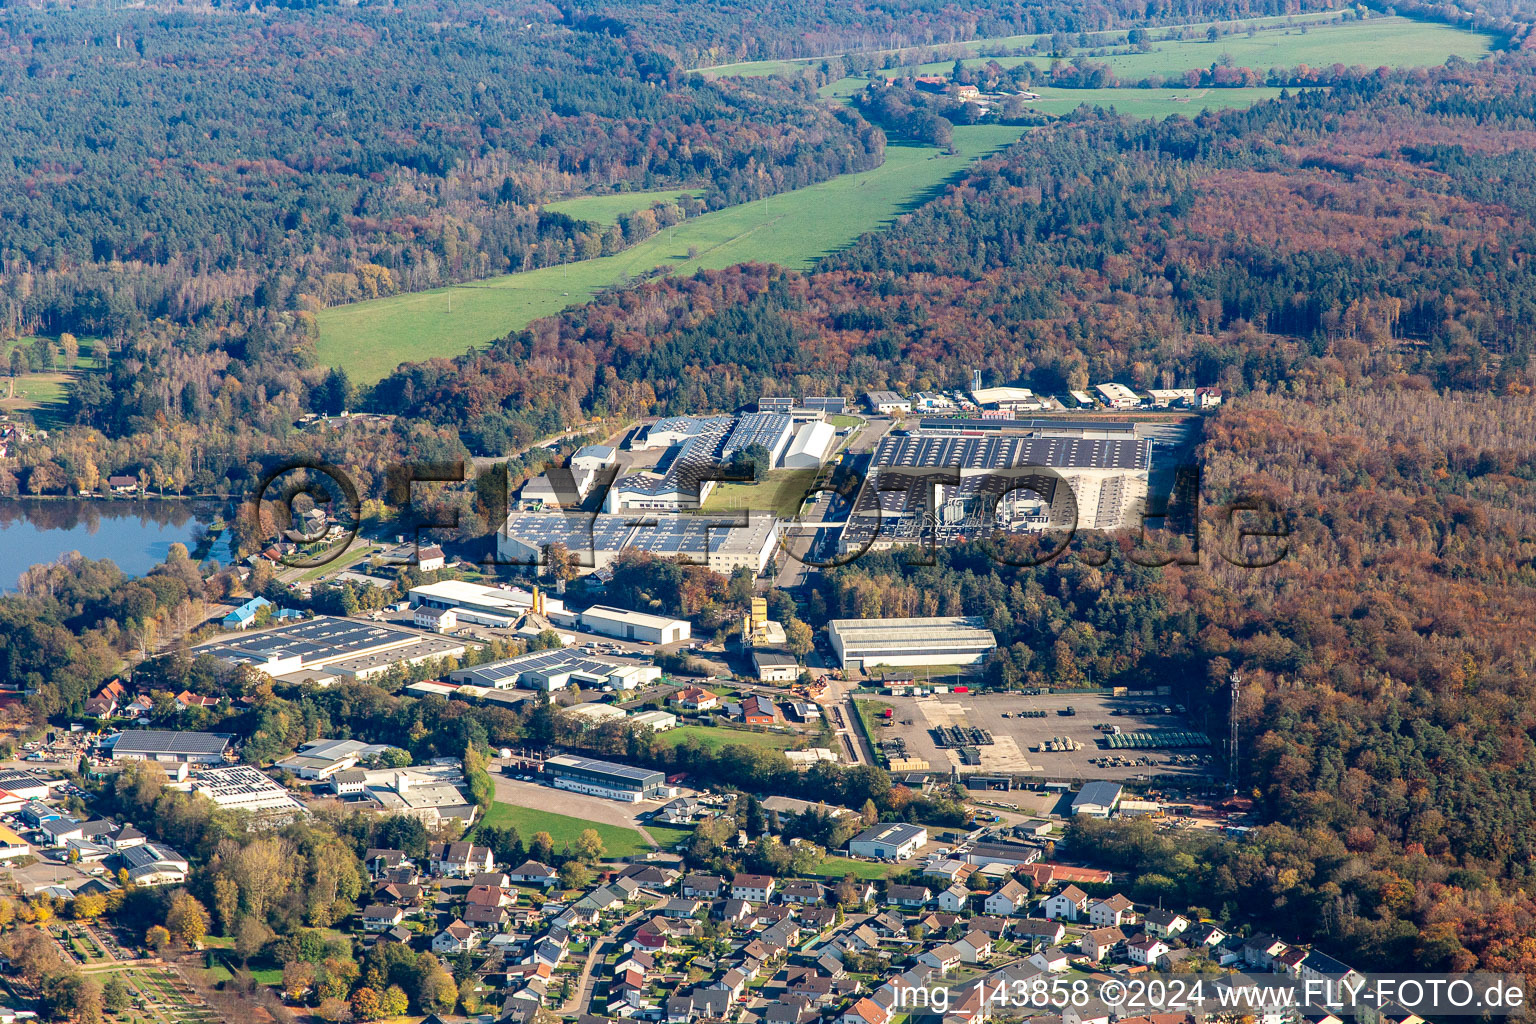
(1372,233)
(197,166)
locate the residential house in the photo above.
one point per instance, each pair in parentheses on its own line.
(1260,951)
(788,1010)
(378,860)
(696,698)
(1033,931)
(757,710)
(1111,913)
(753,888)
(1145,950)
(1099,943)
(1052,960)
(865,1011)
(486,916)
(1318,966)
(459,860)
(379,918)
(907,895)
(680,906)
(732,911)
(956,899)
(1069,903)
(701,887)
(491,896)
(1206,935)
(1165,924)
(943,959)
(974,947)
(531,872)
(458,937)
(802,891)
(1288,961)
(816,919)
(1008,900)
(733,983)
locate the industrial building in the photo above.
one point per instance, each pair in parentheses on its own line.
(605,778)
(168,747)
(1118,396)
(593,713)
(684,477)
(242,788)
(674,430)
(627,625)
(1089,427)
(861,643)
(1008,398)
(432,794)
(554,670)
(771,431)
(320,759)
(942,484)
(656,721)
(890,841)
(718,543)
(22,784)
(886,402)
(811,446)
(1097,799)
(499,607)
(774,665)
(324,649)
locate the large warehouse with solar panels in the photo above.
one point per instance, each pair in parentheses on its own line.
(605,778)
(953,485)
(722,543)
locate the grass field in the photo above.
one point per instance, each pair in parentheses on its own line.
(668,836)
(837,867)
(793,228)
(715,737)
(607,209)
(781,493)
(1394,42)
(1400,42)
(562,828)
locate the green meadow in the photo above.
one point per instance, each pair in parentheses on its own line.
(1393,42)
(564,829)
(1281,41)
(793,229)
(608,209)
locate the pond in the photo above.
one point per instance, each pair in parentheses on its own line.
(137,535)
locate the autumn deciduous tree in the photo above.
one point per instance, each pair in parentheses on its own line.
(186,920)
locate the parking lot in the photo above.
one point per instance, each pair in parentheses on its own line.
(1017,740)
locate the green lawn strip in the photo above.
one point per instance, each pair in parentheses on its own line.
(837,867)
(563,829)
(793,229)
(668,836)
(715,736)
(607,209)
(781,493)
